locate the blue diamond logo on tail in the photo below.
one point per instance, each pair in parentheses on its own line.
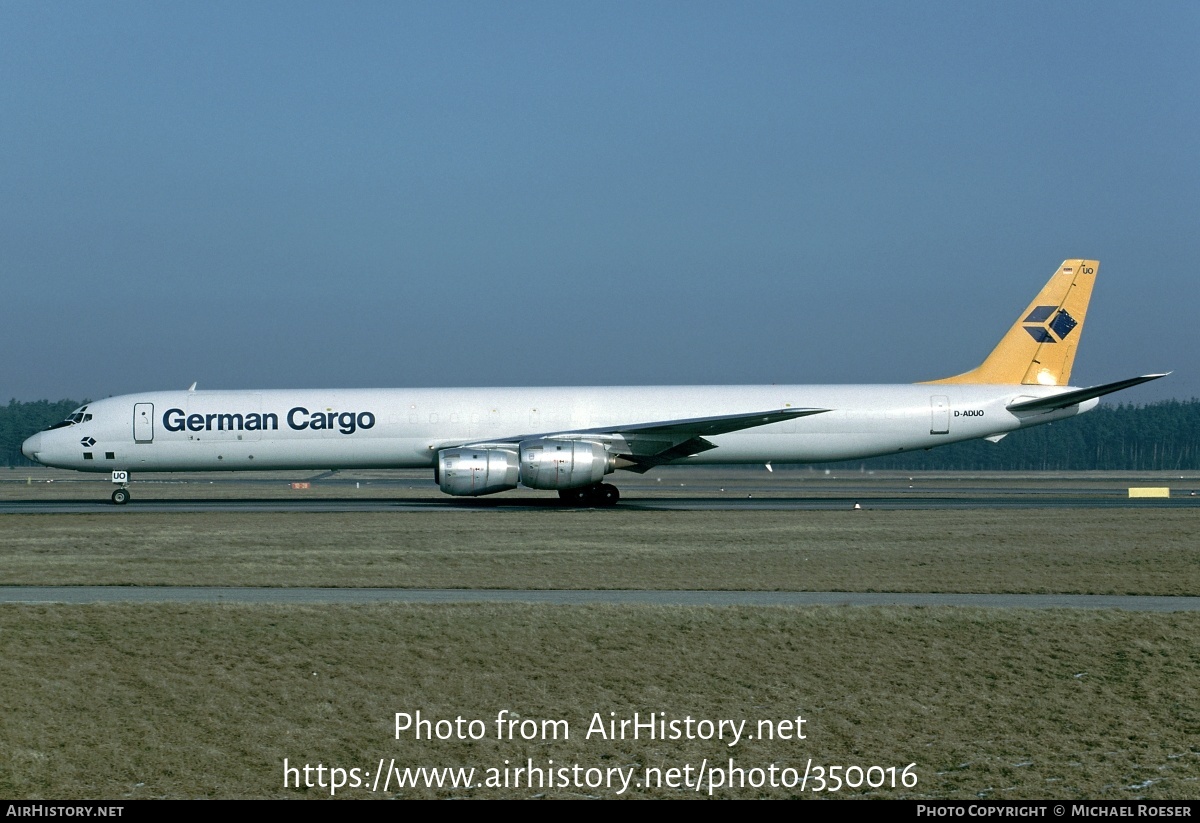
(1054,331)
(1040,314)
(1062,324)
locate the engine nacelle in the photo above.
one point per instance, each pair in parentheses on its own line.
(564,464)
(472,472)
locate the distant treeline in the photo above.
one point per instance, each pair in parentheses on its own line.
(1157,436)
(19,420)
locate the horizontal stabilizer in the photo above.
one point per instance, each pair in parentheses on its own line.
(1070,398)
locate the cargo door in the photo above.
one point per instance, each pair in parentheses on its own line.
(940,411)
(143,423)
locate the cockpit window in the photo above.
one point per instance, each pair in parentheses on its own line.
(80,415)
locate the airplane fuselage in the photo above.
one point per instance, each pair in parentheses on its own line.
(406,428)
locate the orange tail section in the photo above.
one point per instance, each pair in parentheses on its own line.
(1040,347)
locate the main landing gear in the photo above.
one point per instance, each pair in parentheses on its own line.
(599,494)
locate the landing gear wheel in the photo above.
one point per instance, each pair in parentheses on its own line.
(120,497)
(606,494)
(576,497)
(600,494)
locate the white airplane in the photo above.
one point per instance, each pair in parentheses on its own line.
(484,440)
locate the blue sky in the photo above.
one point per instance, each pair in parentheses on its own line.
(265,195)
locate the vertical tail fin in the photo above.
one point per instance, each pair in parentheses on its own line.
(1040,347)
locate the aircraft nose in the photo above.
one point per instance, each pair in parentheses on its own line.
(32,446)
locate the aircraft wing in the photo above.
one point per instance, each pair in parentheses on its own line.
(696,426)
(645,445)
(1070,398)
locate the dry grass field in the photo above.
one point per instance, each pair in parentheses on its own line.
(122,701)
(1079,551)
(207,701)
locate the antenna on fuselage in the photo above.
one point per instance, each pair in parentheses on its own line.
(193,386)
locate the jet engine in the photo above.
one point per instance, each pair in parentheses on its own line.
(538,464)
(564,464)
(472,472)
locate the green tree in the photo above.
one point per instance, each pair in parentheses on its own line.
(19,420)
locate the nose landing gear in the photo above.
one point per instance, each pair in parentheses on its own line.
(121,495)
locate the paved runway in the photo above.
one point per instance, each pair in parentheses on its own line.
(217,594)
(893,498)
(1016,499)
